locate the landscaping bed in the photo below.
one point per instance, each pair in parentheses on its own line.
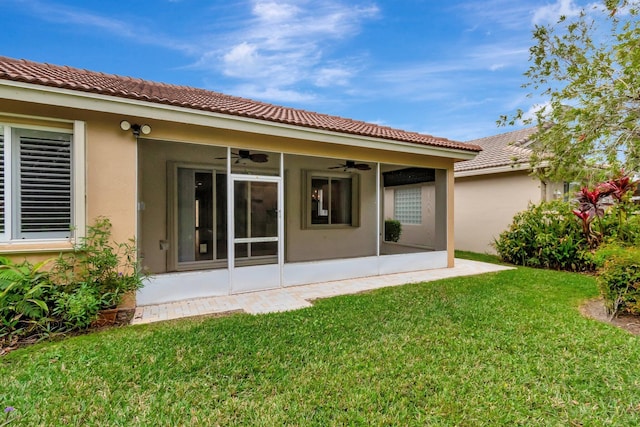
(595,309)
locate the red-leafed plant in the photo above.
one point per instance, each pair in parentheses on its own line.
(619,187)
(592,204)
(586,219)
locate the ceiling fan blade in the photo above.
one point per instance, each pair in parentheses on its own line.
(259,157)
(362,167)
(233,156)
(337,167)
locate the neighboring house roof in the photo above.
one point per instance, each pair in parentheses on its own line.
(199,99)
(499,153)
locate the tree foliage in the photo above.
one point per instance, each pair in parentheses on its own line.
(587,71)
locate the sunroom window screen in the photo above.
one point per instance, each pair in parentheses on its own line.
(45,185)
(408,205)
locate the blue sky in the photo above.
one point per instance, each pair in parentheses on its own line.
(446,68)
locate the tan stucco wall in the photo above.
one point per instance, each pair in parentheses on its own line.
(111,170)
(485,206)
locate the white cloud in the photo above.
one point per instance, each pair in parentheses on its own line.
(62,14)
(495,14)
(241,60)
(532,113)
(277,44)
(333,76)
(68,15)
(289,42)
(494,56)
(272,93)
(444,79)
(274,12)
(552,12)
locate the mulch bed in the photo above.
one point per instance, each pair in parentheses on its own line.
(123,318)
(595,309)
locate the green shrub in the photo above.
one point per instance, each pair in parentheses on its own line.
(25,295)
(77,309)
(35,300)
(619,278)
(619,225)
(392,230)
(546,235)
(109,268)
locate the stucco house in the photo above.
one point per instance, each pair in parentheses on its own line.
(222,194)
(494,186)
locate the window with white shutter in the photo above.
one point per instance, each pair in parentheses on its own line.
(44,181)
(36,191)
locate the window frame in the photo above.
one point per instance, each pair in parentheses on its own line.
(307,178)
(11,133)
(173,261)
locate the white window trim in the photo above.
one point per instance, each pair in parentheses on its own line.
(8,183)
(79,186)
(78,181)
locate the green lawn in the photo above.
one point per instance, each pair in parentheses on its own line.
(494,259)
(508,348)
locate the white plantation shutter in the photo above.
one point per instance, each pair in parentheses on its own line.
(44,184)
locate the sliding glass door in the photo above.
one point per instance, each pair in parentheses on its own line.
(200,218)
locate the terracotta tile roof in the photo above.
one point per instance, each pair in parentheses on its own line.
(199,99)
(506,149)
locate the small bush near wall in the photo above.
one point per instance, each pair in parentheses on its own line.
(392,230)
(546,235)
(109,269)
(619,278)
(26,295)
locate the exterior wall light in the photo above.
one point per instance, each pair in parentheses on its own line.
(135,128)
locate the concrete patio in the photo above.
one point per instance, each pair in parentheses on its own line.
(297,297)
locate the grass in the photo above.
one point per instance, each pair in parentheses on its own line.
(508,348)
(474,256)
